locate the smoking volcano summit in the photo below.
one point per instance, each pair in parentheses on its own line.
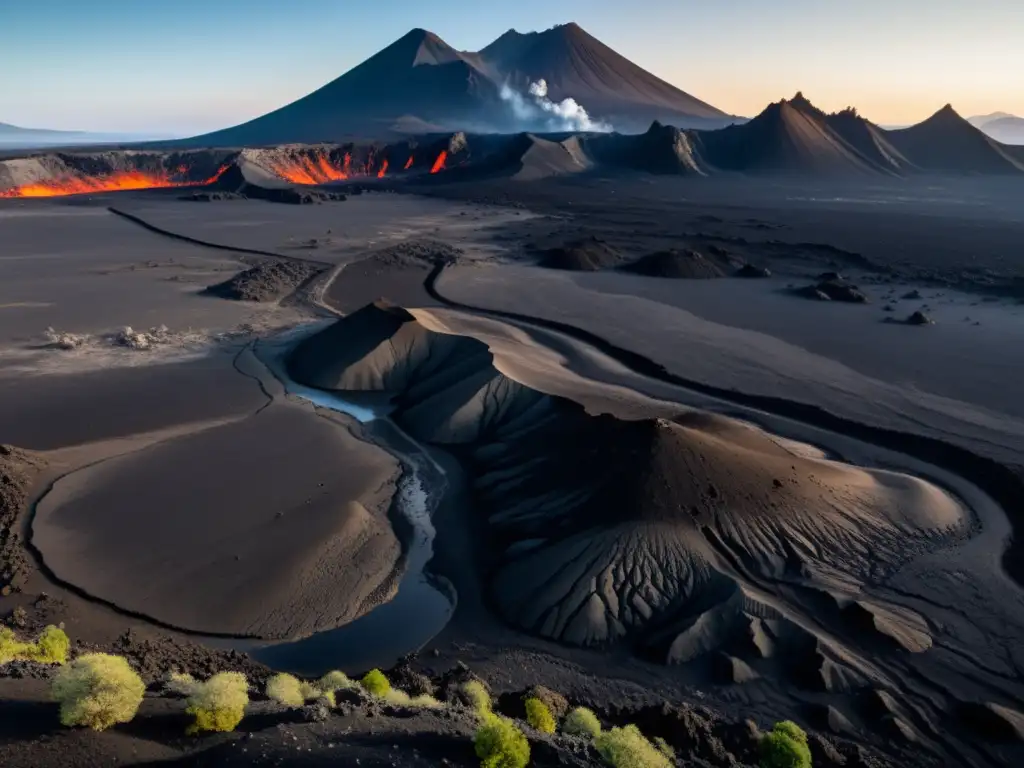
(420,84)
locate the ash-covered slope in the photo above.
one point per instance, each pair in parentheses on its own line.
(576,65)
(417,83)
(789,136)
(946,142)
(681,538)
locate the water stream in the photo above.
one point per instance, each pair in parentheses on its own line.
(423,604)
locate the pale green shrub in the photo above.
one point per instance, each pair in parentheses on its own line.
(582,722)
(403,699)
(98,690)
(52,646)
(628,748)
(334,681)
(500,744)
(539,716)
(11,648)
(287,690)
(375,683)
(785,746)
(479,697)
(219,703)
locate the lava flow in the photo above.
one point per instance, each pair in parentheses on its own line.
(113,182)
(439,163)
(383,169)
(408,164)
(315,169)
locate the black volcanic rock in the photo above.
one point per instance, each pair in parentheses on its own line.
(752,271)
(685,264)
(833,290)
(588,255)
(661,149)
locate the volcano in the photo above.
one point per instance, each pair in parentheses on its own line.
(949,143)
(420,84)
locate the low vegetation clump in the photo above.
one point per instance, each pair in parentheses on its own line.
(11,648)
(335,681)
(98,690)
(500,744)
(51,647)
(664,747)
(539,716)
(626,747)
(403,699)
(376,683)
(219,703)
(785,746)
(287,690)
(583,723)
(478,696)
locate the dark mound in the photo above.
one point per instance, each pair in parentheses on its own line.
(415,254)
(523,157)
(685,264)
(589,255)
(833,290)
(751,271)
(946,142)
(268,281)
(919,318)
(662,149)
(244,179)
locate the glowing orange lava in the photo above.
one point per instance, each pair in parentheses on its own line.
(439,163)
(311,169)
(408,164)
(113,182)
(383,169)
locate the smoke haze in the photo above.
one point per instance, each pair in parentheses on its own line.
(566,115)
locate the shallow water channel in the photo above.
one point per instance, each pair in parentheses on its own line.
(423,604)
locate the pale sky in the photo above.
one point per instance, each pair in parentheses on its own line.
(189,66)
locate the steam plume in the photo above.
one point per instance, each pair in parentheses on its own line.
(566,115)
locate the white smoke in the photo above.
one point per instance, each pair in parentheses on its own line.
(566,115)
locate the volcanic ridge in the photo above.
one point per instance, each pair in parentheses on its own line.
(685,539)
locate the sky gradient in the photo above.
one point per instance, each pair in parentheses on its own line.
(181,67)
